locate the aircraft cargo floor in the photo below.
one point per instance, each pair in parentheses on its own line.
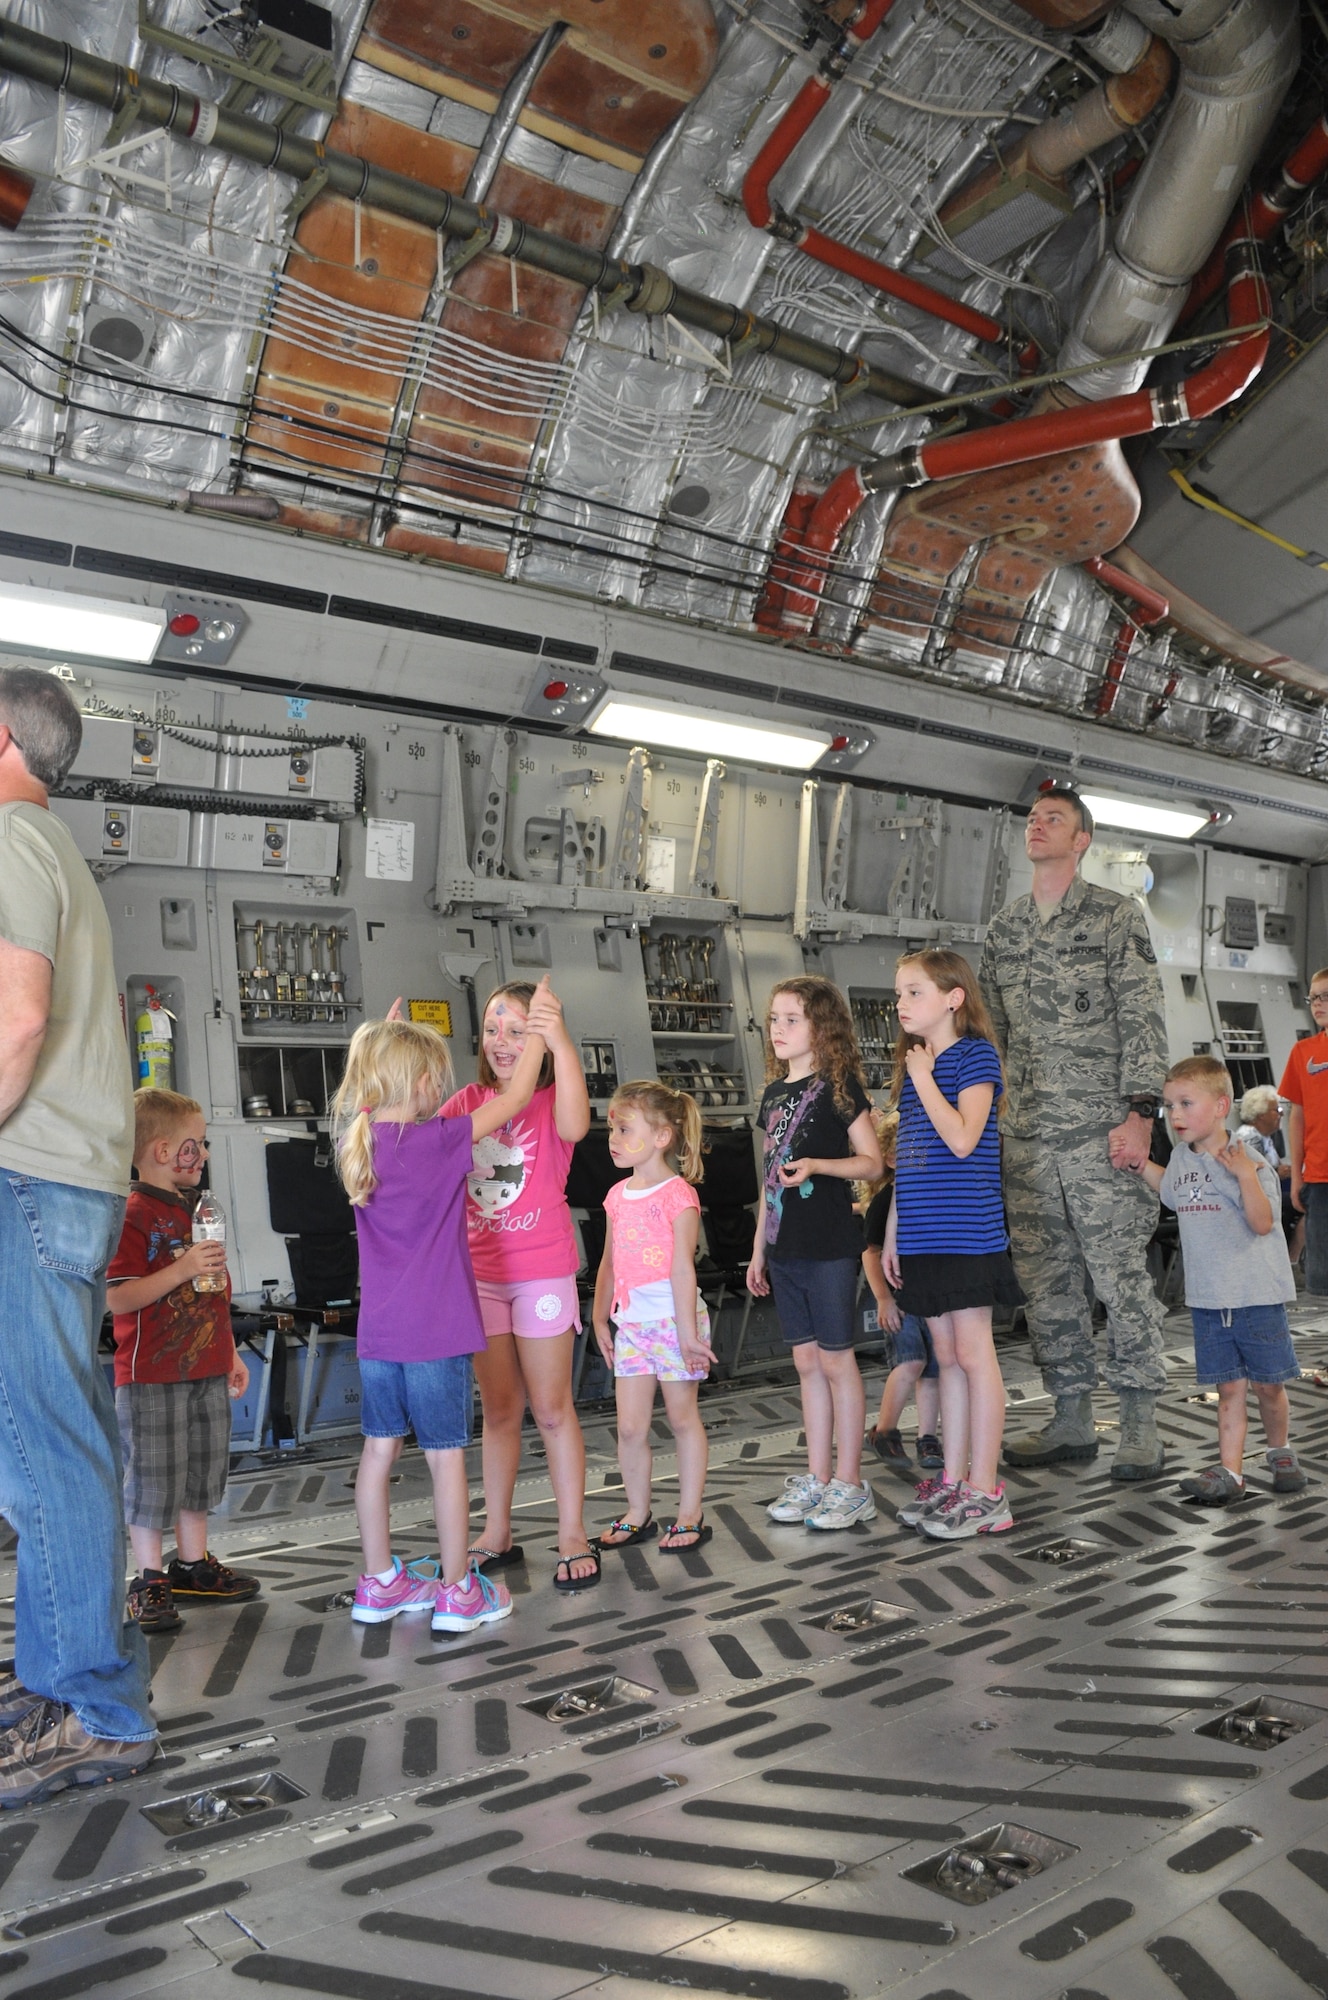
(778,1763)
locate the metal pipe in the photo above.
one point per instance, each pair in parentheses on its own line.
(1101,115)
(1236,59)
(641,288)
(763,212)
(507,113)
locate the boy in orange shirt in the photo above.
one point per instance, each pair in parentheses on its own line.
(1304,1085)
(176,1368)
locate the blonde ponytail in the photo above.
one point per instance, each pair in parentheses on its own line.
(390,1066)
(659,1104)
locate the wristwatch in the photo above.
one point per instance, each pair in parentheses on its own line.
(1145,1106)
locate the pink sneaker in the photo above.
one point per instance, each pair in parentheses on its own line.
(376,1602)
(476,1601)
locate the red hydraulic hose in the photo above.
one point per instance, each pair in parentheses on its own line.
(817,544)
(797,121)
(808,556)
(803,113)
(1153,606)
(1116,664)
(773,601)
(1303,165)
(764,213)
(912,291)
(1211,388)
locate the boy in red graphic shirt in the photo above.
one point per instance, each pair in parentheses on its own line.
(176,1368)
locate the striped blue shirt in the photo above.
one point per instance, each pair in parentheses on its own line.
(947,1206)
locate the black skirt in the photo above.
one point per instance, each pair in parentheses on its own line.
(933,1285)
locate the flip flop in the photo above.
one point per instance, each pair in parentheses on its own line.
(482,1558)
(697,1528)
(566,1581)
(645,1533)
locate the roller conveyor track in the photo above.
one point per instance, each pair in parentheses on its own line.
(740,1822)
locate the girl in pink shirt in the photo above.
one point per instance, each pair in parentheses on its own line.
(647,1284)
(524,1255)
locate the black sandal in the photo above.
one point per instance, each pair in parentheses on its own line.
(697,1527)
(645,1533)
(482,1558)
(563,1578)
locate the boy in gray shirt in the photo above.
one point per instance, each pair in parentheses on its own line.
(1237,1275)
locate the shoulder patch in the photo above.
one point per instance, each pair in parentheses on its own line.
(1144,947)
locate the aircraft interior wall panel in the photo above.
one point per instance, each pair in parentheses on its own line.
(769,953)
(1191,1024)
(1316,920)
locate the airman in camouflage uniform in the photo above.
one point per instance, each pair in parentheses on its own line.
(1076,999)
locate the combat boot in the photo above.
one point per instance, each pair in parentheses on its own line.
(1069,1435)
(1139,1454)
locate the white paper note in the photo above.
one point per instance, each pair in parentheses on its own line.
(390,850)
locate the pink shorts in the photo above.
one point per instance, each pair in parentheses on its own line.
(537,1309)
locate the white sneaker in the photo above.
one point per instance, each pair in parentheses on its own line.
(802,1492)
(843,1506)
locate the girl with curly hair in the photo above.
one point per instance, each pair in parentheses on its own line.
(819,1138)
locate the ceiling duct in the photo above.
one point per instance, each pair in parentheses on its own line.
(1236,62)
(1026,191)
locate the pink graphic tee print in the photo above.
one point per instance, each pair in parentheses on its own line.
(642,1225)
(517,1219)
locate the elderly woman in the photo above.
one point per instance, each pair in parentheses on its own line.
(1261,1129)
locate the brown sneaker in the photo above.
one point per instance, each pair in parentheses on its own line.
(150,1604)
(209,1578)
(49,1749)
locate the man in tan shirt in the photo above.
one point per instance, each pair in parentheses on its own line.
(75,1709)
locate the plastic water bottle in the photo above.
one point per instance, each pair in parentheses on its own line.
(210,1227)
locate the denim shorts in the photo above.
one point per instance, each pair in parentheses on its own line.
(1243,1344)
(815,1299)
(431,1398)
(913,1343)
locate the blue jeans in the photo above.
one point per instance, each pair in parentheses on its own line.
(1314,1194)
(60,1472)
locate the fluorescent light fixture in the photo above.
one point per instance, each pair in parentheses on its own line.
(92,628)
(709,732)
(1141,816)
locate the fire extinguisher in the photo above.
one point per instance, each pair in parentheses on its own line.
(154,1035)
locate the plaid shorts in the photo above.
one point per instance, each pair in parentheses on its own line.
(176,1439)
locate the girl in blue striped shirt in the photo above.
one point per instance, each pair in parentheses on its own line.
(946,1249)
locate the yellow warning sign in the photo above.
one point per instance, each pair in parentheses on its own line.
(437,1013)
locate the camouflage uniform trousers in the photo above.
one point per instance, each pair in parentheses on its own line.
(1074,1218)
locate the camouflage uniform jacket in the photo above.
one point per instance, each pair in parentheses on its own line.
(1077,1006)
